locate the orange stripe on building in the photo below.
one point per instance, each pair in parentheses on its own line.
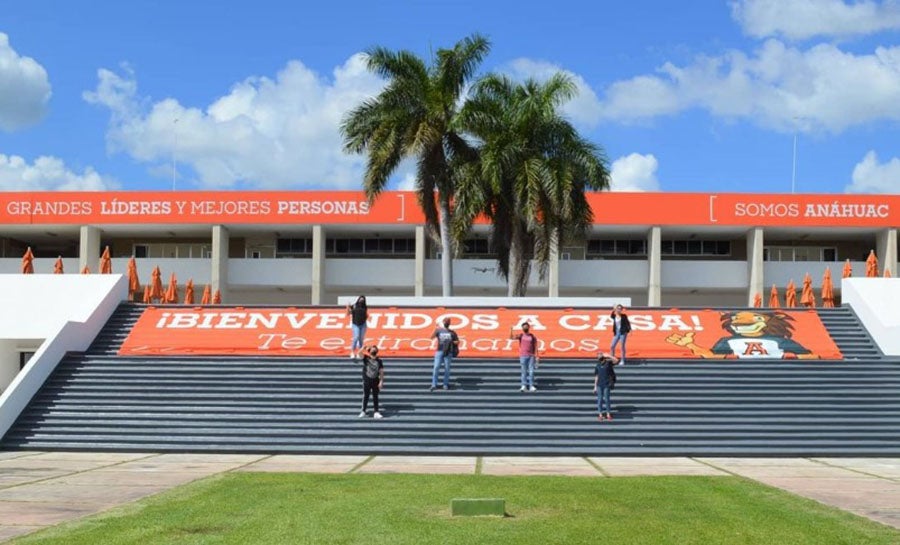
(401,208)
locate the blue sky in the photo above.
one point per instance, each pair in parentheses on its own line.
(706,97)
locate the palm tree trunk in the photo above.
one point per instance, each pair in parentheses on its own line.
(446,249)
(513,279)
(518,268)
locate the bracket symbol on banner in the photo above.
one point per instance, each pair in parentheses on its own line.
(402,198)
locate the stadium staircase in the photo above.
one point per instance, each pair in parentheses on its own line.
(100,401)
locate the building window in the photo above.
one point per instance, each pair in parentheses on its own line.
(606,247)
(176,250)
(696,248)
(477,247)
(293,247)
(23,359)
(369,247)
(799,253)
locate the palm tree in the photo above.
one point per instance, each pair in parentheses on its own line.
(530,175)
(415,116)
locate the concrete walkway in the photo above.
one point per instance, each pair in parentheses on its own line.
(41,489)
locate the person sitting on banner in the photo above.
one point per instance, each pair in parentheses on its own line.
(604,382)
(359,314)
(621,329)
(528,356)
(447,348)
(373,379)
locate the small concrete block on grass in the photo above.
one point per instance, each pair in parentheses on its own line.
(478,507)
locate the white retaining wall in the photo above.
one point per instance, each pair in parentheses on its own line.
(877,303)
(63,313)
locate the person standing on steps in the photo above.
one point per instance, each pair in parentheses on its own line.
(359,313)
(604,380)
(447,348)
(373,379)
(621,329)
(528,356)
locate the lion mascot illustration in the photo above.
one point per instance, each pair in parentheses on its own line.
(751,335)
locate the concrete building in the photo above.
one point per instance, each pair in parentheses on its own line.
(671,249)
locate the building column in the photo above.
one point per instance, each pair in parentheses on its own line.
(553,268)
(219,271)
(654,256)
(318,265)
(89,249)
(420,261)
(886,250)
(755,264)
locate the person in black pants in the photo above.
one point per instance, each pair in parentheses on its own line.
(621,329)
(373,379)
(604,381)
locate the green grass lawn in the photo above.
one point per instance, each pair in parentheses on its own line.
(244,508)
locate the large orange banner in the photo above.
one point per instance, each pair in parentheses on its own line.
(402,208)
(483,333)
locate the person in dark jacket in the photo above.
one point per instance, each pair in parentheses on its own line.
(604,380)
(359,314)
(621,329)
(373,379)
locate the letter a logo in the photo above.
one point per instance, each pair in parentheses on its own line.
(754,349)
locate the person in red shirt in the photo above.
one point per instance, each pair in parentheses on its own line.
(528,356)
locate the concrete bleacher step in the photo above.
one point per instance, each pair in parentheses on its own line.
(98,400)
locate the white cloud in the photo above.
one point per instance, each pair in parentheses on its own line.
(584,110)
(803,19)
(825,88)
(634,172)
(408,182)
(48,173)
(24,89)
(870,176)
(269,133)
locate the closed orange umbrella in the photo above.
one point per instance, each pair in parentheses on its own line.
(172,291)
(156,287)
(872,265)
(134,284)
(207,295)
(147,298)
(189,292)
(28,262)
(217,298)
(790,295)
(827,289)
(848,270)
(807,299)
(86,270)
(773,297)
(757,300)
(105,262)
(58,266)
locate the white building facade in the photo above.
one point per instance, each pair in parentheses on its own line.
(670,249)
